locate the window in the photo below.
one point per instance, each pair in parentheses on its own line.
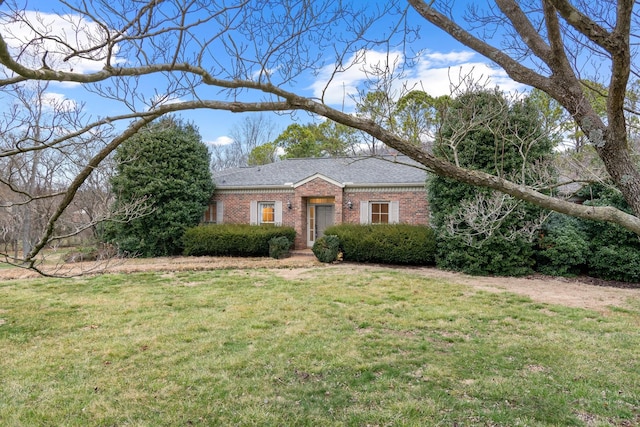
(210,214)
(321,200)
(266,213)
(379,212)
(214,213)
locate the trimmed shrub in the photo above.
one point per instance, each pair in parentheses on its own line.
(279,247)
(493,255)
(233,239)
(386,243)
(615,252)
(616,262)
(326,248)
(563,247)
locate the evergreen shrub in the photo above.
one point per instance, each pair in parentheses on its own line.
(569,246)
(563,247)
(616,262)
(279,247)
(233,239)
(478,230)
(493,255)
(165,167)
(615,252)
(386,243)
(326,248)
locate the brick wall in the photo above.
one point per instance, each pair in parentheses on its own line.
(413,204)
(414,207)
(237,206)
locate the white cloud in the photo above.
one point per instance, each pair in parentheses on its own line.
(435,73)
(164,100)
(36,95)
(221,140)
(57,101)
(340,88)
(30,46)
(428,58)
(439,81)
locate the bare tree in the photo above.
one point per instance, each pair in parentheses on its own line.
(34,177)
(254,130)
(31,178)
(546,45)
(247,57)
(483,217)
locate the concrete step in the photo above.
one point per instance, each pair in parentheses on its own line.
(303,252)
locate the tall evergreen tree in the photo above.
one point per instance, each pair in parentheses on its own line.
(167,164)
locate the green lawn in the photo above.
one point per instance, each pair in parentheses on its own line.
(249,347)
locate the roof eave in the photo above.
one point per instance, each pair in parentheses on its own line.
(385,184)
(254,187)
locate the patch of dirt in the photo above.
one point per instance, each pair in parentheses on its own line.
(588,293)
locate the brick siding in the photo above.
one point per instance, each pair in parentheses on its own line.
(413,204)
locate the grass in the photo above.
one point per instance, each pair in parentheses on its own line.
(253,348)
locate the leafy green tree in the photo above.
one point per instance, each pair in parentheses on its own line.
(480,231)
(167,164)
(551,114)
(299,141)
(377,107)
(418,115)
(337,139)
(263,154)
(315,140)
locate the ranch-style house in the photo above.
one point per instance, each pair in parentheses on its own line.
(313,193)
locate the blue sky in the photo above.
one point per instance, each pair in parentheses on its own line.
(440,59)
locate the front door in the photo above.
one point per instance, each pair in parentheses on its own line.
(319,218)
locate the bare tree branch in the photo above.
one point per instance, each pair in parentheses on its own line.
(248,57)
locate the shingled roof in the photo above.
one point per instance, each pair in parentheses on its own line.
(349,171)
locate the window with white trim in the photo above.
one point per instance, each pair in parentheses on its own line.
(379,212)
(266,213)
(214,213)
(211,214)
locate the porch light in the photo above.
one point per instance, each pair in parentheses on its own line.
(289,206)
(349,204)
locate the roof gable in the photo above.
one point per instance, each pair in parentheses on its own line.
(320,176)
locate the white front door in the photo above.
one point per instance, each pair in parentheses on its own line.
(319,217)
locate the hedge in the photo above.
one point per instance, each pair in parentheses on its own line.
(386,243)
(233,239)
